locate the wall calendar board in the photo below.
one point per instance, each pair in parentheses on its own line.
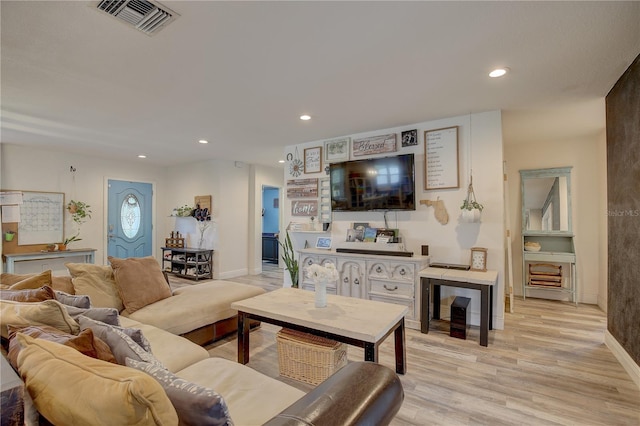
(41,218)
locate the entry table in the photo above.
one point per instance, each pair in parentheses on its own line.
(12,258)
(436,277)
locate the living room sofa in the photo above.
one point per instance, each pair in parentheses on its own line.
(68,387)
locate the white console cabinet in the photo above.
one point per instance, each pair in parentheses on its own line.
(391,279)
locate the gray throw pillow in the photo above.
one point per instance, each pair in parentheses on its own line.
(77,300)
(121,344)
(196,405)
(105,315)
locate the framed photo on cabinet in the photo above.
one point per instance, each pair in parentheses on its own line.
(313,160)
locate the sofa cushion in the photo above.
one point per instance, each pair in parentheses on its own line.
(252,397)
(194,306)
(140,281)
(69,388)
(196,405)
(76,300)
(28,281)
(47,312)
(120,343)
(97,282)
(29,295)
(174,352)
(85,342)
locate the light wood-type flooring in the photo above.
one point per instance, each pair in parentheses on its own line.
(549,366)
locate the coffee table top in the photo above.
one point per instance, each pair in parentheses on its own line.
(365,320)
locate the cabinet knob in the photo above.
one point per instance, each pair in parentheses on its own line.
(402,272)
(378,269)
(310,262)
(356,281)
(390,289)
(346,279)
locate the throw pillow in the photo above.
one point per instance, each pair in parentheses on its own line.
(47,312)
(119,342)
(77,300)
(69,388)
(37,295)
(97,282)
(29,281)
(106,315)
(85,342)
(140,281)
(195,404)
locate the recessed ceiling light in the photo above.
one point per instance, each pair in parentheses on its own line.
(281,161)
(498,72)
(142,156)
(202,141)
(305,117)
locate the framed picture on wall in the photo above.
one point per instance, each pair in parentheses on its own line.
(441,159)
(313,160)
(336,150)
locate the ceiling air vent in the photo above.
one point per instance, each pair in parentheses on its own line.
(143,15)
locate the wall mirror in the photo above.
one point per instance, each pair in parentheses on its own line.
(546,200)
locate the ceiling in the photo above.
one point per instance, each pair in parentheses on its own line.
(239,74)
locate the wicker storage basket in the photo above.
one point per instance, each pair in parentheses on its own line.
(309,358)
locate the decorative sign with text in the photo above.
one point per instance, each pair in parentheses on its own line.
(441,158)
(302,188)
(304,208)
(374,145)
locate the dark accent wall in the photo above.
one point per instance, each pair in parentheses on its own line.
(623,210)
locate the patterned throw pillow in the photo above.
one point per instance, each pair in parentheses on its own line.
(195,404)
(121,344)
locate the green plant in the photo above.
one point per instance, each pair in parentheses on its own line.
(80,212)
(470,205)
(184,211)
(289,259)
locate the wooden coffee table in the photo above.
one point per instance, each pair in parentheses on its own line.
(357,322)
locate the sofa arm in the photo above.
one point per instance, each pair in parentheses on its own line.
(361,393)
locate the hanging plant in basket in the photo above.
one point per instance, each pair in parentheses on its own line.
(471,209)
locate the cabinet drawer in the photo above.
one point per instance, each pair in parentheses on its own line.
(392,288)
(398,301)
(392,271)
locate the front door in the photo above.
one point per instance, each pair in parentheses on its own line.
(129,216)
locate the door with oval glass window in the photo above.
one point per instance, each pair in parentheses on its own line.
(129,216)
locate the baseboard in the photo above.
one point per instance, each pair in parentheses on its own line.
(623,357)
(233,274)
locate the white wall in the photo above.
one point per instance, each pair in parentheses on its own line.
(480,145)
(588,191)
(31,169)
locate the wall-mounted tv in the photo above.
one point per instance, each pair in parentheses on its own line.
(386,183)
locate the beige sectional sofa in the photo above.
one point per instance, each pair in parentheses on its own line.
(67,387)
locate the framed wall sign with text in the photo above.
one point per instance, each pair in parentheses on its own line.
(441,159)
(313,160)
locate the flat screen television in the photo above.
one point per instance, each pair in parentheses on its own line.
(386,183)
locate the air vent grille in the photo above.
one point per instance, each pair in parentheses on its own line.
(143,15)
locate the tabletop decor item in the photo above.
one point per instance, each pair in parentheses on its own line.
(321,275)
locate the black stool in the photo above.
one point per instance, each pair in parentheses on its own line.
(460,317)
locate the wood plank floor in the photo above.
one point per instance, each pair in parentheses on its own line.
(549,366)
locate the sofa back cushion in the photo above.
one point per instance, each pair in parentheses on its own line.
(97,282)
(140,281)
(69,388)
(48,312)
(28,281)
(29,295)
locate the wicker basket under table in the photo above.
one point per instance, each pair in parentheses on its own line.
(309,358)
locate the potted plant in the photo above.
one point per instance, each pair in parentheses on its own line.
(471,209)
(290,261)
(80,212)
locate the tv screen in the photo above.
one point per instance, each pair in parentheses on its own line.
(373,184)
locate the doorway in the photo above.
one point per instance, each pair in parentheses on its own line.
(270,225)
(129,219)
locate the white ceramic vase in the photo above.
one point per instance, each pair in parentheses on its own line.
(471,216)
(321,294)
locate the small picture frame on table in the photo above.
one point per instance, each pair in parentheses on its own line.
(478,259)
(323,243)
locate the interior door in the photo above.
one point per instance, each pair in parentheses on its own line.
(129,216)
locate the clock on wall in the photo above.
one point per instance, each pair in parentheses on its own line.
(478,259)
